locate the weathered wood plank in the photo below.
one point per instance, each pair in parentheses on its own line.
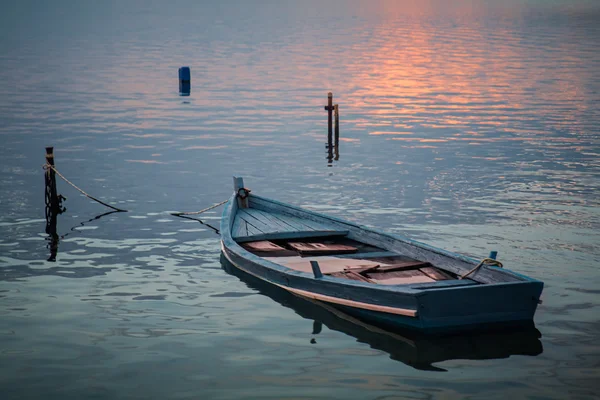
(289,235)
(300,223)
(357,277)
(404,280)
(252,227)
(445,284)
(289,215)
(343,275)
(244,228)
(257,223)
(268,249)
(364,270)
(288,222)
(399,277)
(294,221)
(435,273)
(404,266)
(315,225)
(262,245)
(395,274)
(271,219)
(270,222)
(239,228)
(321,248)
(373,254)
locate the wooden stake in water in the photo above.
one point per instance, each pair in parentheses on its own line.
(52,200)
(53,204)
(337,132)
(329,109)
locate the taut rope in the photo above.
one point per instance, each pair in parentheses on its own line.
(48,166)
(179,214)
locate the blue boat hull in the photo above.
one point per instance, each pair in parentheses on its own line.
(440,308)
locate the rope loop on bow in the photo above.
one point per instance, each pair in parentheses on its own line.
(485,261)
(243,193)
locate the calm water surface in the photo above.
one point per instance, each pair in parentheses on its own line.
(473,127)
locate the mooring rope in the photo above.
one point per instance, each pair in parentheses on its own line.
(179,214)
(74,228)
(84,193)
(487,261)
(199,220)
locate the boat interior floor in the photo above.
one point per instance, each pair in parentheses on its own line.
(345,258)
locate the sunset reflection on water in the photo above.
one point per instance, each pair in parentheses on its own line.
(469,125)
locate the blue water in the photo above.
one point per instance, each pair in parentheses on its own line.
(472,126)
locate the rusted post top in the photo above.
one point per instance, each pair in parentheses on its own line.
(329,106)
(337,132)
(50,156)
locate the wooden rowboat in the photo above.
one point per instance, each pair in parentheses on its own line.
(377,277)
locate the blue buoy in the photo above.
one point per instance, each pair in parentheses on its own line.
(493,254)
(185,78)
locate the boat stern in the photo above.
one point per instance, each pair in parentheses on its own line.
(479,306)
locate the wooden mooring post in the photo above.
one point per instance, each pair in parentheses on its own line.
(50,179)
(337,132)
(53,204)
(53,199)
(329,109)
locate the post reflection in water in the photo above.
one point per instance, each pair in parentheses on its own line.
(198,220)
(333,149)
(53,236)
(51,222)
(416,350)
(54,208)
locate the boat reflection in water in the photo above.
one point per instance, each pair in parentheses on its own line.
(416,350)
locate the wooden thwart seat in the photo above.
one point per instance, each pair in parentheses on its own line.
(321,248)
(267,248)
(262,245)
(399,277)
